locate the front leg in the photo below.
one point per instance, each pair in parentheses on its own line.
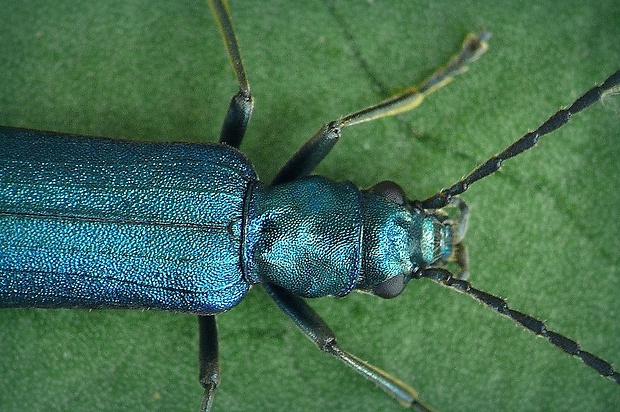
(315,328)
(318,146)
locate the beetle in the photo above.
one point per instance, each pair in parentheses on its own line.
(434,186)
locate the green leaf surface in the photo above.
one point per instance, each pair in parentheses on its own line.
(544,232)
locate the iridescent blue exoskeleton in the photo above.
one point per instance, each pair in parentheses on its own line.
(98,223)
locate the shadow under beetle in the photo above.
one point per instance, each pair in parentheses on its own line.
(181,227)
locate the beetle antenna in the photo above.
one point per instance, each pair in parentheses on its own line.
(526,142)
(444,277)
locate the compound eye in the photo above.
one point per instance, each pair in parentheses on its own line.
(391,191)
(390,288)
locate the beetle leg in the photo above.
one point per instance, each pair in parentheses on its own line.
(208,356)
(240,108)
(315,328)
(318,146)
(237,119)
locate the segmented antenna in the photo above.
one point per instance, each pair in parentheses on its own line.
(529,140)
(444,277)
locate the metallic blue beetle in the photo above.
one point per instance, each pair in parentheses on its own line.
(99,223)
(107,224)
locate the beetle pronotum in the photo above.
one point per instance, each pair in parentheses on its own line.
(455,118)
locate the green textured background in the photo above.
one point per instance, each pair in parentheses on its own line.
(544,232)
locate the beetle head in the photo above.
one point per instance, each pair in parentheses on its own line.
(400,239)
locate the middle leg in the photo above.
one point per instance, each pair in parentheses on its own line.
(242,103)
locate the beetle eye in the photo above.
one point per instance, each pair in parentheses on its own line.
(390,288)
(391,191)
